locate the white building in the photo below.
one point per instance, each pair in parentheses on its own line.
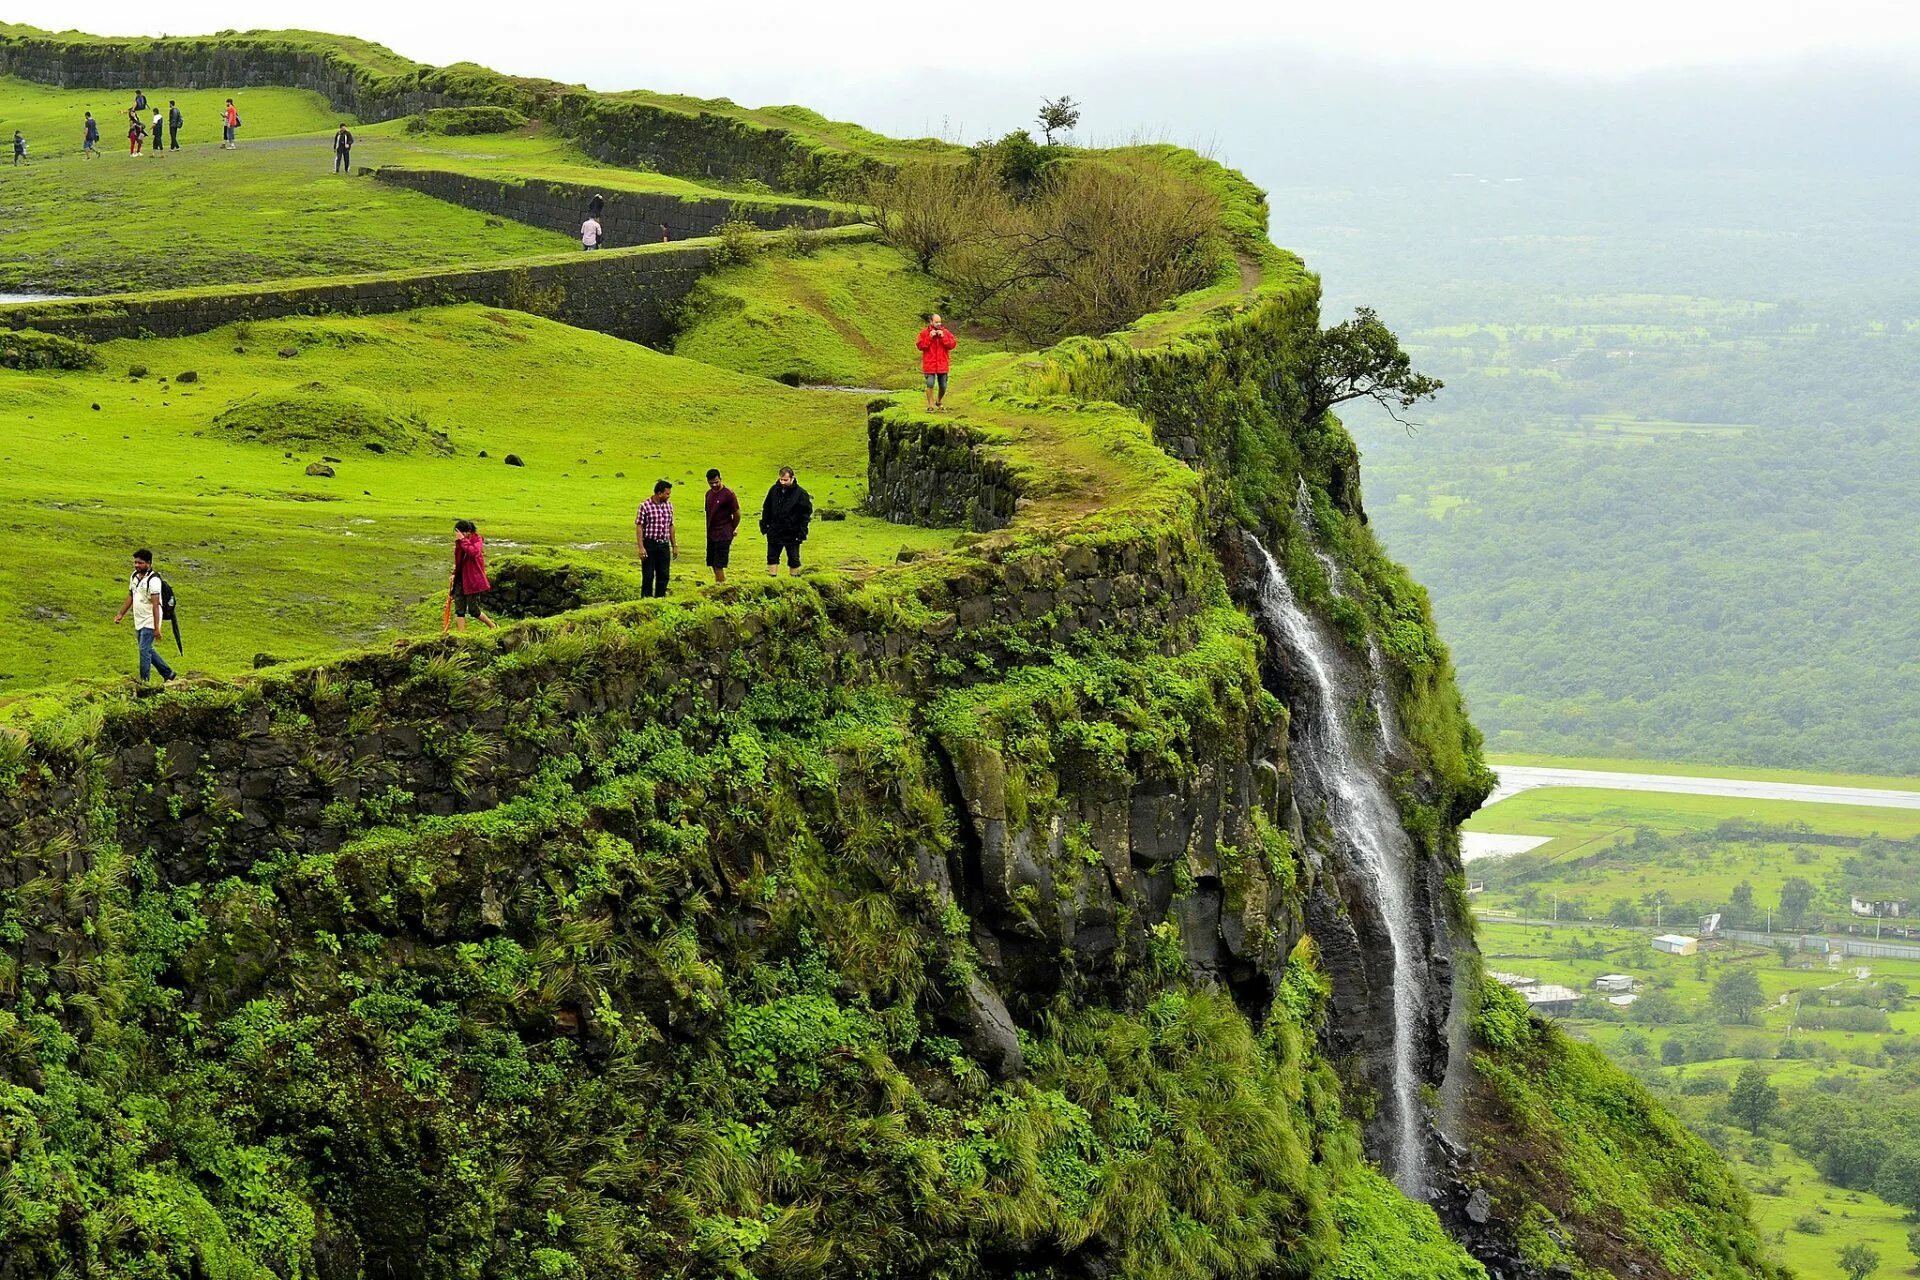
(1894,907)
(1677,944)
(1616,982)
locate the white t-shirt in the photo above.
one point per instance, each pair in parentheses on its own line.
(146,594)
(590,232)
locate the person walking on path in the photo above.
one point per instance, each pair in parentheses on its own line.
(19,147)
(468,586)
(230,126)
(135,132)
(590,233)
(936,343)
(653,534)
(174,121)
(784,518)
(145,596)
(90,138)
(723,522)
(343,149)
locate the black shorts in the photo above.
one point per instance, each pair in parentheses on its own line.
(719,553)
(775,545)
(468,606)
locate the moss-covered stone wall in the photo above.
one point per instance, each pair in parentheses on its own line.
(374,84)
(630,217)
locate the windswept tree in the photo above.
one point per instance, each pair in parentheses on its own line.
(1058,115)
(1361,359)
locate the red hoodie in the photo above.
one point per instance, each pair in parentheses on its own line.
(470,564)
(934,349)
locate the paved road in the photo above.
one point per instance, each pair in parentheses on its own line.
(1517,778)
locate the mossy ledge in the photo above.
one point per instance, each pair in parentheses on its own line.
(953,920)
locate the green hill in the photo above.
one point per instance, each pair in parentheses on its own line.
(970,904)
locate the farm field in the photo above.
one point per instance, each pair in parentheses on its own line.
(1618,765)
(1835,1038)
(270,559)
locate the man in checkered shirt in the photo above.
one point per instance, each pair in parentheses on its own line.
(653,534)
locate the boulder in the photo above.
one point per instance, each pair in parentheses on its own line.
(990,1033)
(319,469)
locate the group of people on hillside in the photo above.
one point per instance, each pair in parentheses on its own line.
(162,132)
(785,518)
(786,515)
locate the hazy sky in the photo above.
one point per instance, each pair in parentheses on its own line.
(768,50)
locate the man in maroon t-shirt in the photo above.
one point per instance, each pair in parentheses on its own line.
(723,521)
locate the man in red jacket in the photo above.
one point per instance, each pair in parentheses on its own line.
(936,345)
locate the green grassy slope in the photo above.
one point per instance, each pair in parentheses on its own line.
(270,559)
(843,315)
(52,118)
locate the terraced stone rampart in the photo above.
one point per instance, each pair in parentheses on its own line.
(630,217)
(629,293)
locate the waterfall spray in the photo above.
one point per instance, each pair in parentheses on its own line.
(1366,826)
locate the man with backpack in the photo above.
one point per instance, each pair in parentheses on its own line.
(174,121)
(149,600)
(230,126)
(90,140)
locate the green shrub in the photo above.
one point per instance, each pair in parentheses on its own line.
(463,121)
(29,349)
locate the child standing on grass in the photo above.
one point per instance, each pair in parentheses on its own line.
(469,584)
(135,132)
(159,130)
(19,147)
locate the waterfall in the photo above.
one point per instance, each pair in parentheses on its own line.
(1366,826)
(1337,584)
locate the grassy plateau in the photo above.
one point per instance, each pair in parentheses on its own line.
(268,558)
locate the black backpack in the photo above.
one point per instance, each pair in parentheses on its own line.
(167,613)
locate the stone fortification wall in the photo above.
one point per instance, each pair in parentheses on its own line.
(632,294)
(302,758)
(935,473)
(630,217)
(380,86)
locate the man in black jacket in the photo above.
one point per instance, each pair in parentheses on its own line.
(784,518)
(174,121)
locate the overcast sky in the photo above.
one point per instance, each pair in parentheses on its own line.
(790,50)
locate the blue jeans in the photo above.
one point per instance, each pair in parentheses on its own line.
(151,661)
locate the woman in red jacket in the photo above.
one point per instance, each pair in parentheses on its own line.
(936,345)
(469,582)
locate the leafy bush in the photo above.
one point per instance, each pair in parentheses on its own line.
(29,349)
(464,121)
(1091,247)
(739,242)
